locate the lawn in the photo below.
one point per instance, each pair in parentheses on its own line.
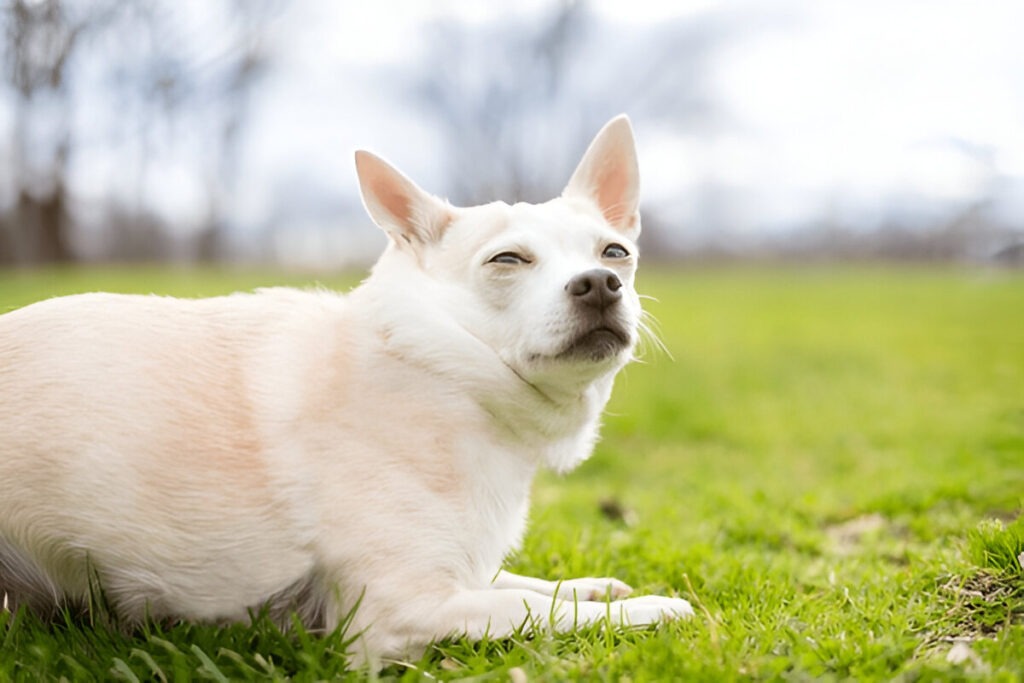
(828,462)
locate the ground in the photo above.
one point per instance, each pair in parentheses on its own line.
(828,462)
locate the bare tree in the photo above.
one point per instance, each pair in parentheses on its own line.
(517,101)
(61,55)
(246,63)
(40,39)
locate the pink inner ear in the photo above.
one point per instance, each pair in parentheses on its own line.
(612,185)
(393,200)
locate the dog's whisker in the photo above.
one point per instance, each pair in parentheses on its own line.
(650,337)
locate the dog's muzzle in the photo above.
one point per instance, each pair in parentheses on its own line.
(602,333)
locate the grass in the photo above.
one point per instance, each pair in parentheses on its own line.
(830,467)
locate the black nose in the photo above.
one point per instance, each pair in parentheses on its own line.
(598,288)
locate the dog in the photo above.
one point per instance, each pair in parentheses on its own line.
(365,456)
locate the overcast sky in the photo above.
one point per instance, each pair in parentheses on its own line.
(853,105)
(851,111)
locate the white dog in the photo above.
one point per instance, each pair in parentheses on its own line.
(309,451)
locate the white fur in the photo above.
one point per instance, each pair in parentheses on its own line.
(306,450)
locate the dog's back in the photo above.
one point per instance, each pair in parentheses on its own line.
(143,410)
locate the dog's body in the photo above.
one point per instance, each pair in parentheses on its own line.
(310,451)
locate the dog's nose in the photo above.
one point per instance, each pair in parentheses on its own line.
(597,288)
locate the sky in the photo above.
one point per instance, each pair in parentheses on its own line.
(860,113)
(864,112)
(922,99)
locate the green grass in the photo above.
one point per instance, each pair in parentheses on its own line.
(830,467)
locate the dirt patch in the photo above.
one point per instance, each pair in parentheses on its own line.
(846,536)
(981,606)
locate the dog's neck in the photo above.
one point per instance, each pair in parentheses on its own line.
(555,418)
(559,428)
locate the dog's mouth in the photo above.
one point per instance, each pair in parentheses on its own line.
(598,343)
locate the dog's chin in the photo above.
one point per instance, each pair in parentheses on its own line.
(596,345)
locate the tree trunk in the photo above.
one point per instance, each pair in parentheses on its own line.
(42,226)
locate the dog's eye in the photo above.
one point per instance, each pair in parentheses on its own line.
(509,258)
(615,251)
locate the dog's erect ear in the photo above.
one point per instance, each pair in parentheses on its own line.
(609,176)
(404,211)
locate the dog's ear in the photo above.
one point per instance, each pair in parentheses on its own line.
(609,176)
(404,211)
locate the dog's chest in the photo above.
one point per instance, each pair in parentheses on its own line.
(496,505)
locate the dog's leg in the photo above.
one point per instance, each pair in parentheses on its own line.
(587,589)
(500,612)
(404,624)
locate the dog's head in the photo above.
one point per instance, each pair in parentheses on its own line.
(548,287)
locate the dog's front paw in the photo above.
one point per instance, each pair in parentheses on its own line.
(591,589)
(650,609)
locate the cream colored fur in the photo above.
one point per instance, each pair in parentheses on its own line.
(307,450)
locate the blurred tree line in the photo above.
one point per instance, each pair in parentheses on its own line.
(139,53)
(513,104)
